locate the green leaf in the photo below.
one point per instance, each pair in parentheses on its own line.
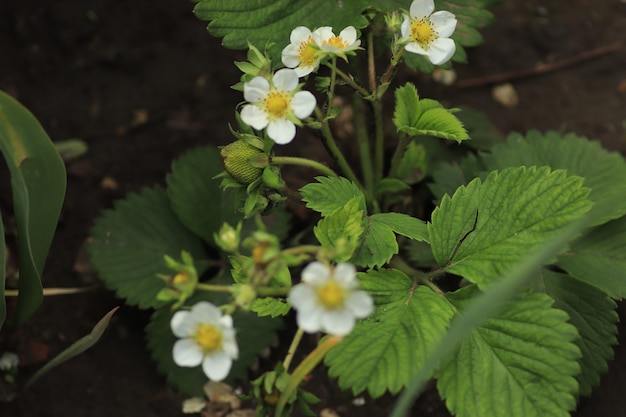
(262,22)
(389,185)
(384,351)
(485,229)
(520,363)
(129,242)
(75,348)
(604,172)
(254,334)
(593,314)
(413,166)
(270,306)
(341,230)
(330,193)
(447,177)
(404,225)
(38,184)
(599,258)
(425,117)
(196,197)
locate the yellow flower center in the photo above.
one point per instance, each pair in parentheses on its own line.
(181,278)
(422,32)
(332,294)
(307,52)
(336,41)
(208,337)
(276,104)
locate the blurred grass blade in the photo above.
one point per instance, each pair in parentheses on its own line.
(38,183)
(482,308)
(3,273)
(76,348)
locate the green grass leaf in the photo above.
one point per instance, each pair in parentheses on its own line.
(593,313)
(330,193)
(425,117)
(485,229)
(384,351)
(519,363)
(196,197)
(604,172)
(599,258)
(129,242)
(38,183)
(254,334)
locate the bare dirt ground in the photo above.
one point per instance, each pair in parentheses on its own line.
(141,82)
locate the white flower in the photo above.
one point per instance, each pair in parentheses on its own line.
(328,300)
(276,105)
(428,33)
(302,54)
(207,338)
(328,42)
(9,361)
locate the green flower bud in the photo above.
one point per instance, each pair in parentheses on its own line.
(235,158)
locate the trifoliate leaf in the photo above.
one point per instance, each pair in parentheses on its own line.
(254,334)
(599,258)
(330,193)
(593,314)
(196,197)
(341,230)
(604,172)
(263,22)
(425,117)
(521,363)
(485,229)
(129,242)
(384,351)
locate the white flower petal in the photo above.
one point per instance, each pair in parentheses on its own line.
(338,322)
(217,366)
(303,104)
(290,56)
(285,79)
(348,35)
(230,347)
(405,28)
(310,322)
(204,312)
(225,322)
(443,23)
(421,9)
(299,34)
(360,304)
(281,131)
(322,34)
(254,116)
(256,89)
(302,297)
(441,50)
(345,274)
(315,273)
(181,325)
(304,70)
(187,352)
(416,48)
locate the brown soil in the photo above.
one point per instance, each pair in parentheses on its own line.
(143,82)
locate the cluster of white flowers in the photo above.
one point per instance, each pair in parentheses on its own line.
(328,299)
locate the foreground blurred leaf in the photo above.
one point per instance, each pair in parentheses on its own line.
(38,183)
(130,241)
(76,348)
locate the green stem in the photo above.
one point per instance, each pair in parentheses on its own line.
(292,348)
(215,288)
(398,153)
(362,138)
(379,135)
(331,145)
(293,160)
(302,250)
(392,66)
(420,276)
(370,61)
(350,81)
(272,292)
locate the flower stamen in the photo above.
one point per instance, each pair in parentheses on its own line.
(422,32)
(276,104)
(208,337)
(336,41)
(332,294)
(307,53)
